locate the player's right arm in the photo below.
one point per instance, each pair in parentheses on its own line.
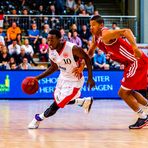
(48,72)
(92,48)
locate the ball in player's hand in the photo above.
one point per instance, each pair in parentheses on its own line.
(30,85)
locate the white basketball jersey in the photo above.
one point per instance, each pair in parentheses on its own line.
(65,61)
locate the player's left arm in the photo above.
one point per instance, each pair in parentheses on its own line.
(79,52)
(108,35)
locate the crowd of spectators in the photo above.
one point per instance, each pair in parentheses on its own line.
(20,44)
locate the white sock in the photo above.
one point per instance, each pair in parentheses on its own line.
(80,101)
(141,114)
(42,116)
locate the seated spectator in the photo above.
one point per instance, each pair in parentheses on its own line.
(54,22)
(24,21)
(14,48)
(69,35)
(83,13)
(14,66)
(85,35)
(33,37)
(43,54)
(2,40)
(25,65)
(14,33)
(114,26)
(41,10)
(96,12)
(89,7)
(70,7)
(24,55)
(78,7)
(60,6)
(4,56)
(63,35)
(100,60)
(75,39)
(2,32)
(4,65)
(113,64)
(73,28)
(12,61)
(28,48)
(44,33)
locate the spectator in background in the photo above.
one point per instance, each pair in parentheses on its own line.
(4,58)
(41,10)
(25,65)
(100,60)
(114,26)
(12,63)
(2,40)
(13,33)
(28,48)
(78,7)
(69,35)
(43,51)
(96,12)
(89,7)
(63,35)
(14,66)
(85,35)
(14,48)
(24,21)
(83,13)
(33,37)
(70,7)
(44,33)
(4,55)
(73,28)
(60,6)
(54,22)
(2,32)
(22,55)
(76,40)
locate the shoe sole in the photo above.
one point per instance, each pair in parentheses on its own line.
(90,105)
(146,123)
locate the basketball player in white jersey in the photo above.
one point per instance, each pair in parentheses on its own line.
(65,56)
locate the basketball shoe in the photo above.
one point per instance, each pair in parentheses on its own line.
(34,124)
(87,104)
(140,123)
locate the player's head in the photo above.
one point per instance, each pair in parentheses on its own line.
(54,37)
(96,24)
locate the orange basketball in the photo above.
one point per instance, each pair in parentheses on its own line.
(30,85)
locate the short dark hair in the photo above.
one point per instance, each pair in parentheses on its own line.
(55,32)
(97,18)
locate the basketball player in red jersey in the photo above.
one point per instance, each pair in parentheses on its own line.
(134,60)
(65,57)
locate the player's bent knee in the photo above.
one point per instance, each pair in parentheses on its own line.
(123,93)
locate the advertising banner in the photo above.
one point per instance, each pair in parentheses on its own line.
(107,85)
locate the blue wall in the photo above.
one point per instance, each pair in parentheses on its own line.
(107,85)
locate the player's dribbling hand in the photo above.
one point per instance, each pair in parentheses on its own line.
(90,83)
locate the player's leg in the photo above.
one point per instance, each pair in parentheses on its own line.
(40,117)
(130,99)
(140,98)
(85,103)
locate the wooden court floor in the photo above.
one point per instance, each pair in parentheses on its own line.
(106,126)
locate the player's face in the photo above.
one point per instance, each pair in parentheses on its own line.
(53,41)
(95,27)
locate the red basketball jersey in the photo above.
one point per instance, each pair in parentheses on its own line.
(135,71)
